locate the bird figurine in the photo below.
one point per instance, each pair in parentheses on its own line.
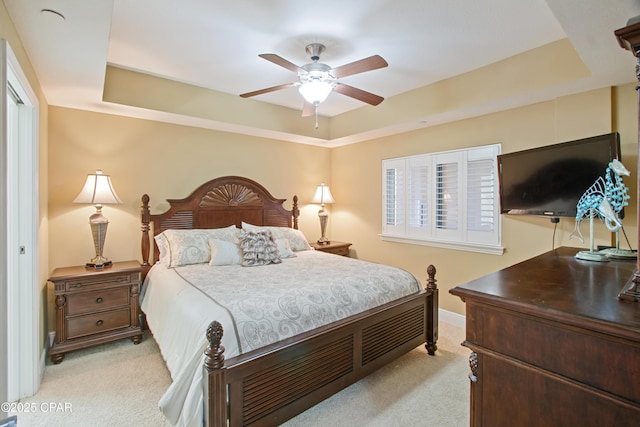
(605,198)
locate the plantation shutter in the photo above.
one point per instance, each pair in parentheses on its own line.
(445,199)
(482,197)
(393,189)
(418,200)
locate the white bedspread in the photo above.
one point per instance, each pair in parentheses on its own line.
(256,306)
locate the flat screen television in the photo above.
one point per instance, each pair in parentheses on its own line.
(550,180)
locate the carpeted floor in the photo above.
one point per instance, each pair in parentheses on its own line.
(120,384)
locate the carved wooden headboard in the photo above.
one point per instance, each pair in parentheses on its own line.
(218,203)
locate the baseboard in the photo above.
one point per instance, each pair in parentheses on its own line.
(43,357)
(43,363)
(452,318)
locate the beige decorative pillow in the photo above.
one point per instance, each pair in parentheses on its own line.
(258,248)
(224,253)
(297,240)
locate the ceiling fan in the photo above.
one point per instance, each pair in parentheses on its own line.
(316,80)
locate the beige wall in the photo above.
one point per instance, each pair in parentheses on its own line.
(356,181)
(164,161)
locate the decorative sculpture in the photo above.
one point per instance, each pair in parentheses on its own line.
(619,199)
(605,199)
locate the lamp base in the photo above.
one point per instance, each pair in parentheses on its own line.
(592,256)
(323,216)
(99,224)
(98,263)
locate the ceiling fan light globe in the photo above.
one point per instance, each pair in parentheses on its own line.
(315,92)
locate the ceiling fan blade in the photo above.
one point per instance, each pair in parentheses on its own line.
(367,64)
(358,94)
(308,109)
(267,90)
(278,60)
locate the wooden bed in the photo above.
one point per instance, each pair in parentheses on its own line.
(270,385)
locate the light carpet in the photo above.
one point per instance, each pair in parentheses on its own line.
(120,384)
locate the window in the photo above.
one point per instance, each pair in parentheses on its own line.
(446,199)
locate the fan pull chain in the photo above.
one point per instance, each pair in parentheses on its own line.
(316,108)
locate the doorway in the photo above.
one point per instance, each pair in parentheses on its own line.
(20,298)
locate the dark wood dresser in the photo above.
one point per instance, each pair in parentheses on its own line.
(552,345)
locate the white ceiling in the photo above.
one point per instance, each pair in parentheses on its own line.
(215,43)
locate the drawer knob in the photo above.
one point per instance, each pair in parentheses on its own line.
(99,300)
(99,323)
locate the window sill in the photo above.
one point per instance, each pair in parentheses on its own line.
(469,247)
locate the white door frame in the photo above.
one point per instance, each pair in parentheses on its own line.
(4,367)
(19,168)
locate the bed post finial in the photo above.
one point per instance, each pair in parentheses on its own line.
(215,350)
(431,277)
(145,213)
(296,212)
(432,311)
(214,379)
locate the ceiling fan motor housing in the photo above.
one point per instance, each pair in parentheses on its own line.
(315,50)
(316,71)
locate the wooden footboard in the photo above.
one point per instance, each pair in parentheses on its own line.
(271,385)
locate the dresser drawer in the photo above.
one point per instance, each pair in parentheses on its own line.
(96,323)
(611,365)
(90,302)
(87,283)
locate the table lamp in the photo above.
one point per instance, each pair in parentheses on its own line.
(323,196)
(98,191)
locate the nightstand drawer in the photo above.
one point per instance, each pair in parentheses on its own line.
(101,282)
(334,247)
(96,323)
(90,302)
(343,250)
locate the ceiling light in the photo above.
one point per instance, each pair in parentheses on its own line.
(315,91)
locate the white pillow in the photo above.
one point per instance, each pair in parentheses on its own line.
(192,246)
(163,249)
(297,240)
(284,248)
(224,253)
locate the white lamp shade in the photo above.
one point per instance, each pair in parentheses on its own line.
(315,92)
(323,195)
(98,190)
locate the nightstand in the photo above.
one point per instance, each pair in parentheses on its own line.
(338,248)
(95,306)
